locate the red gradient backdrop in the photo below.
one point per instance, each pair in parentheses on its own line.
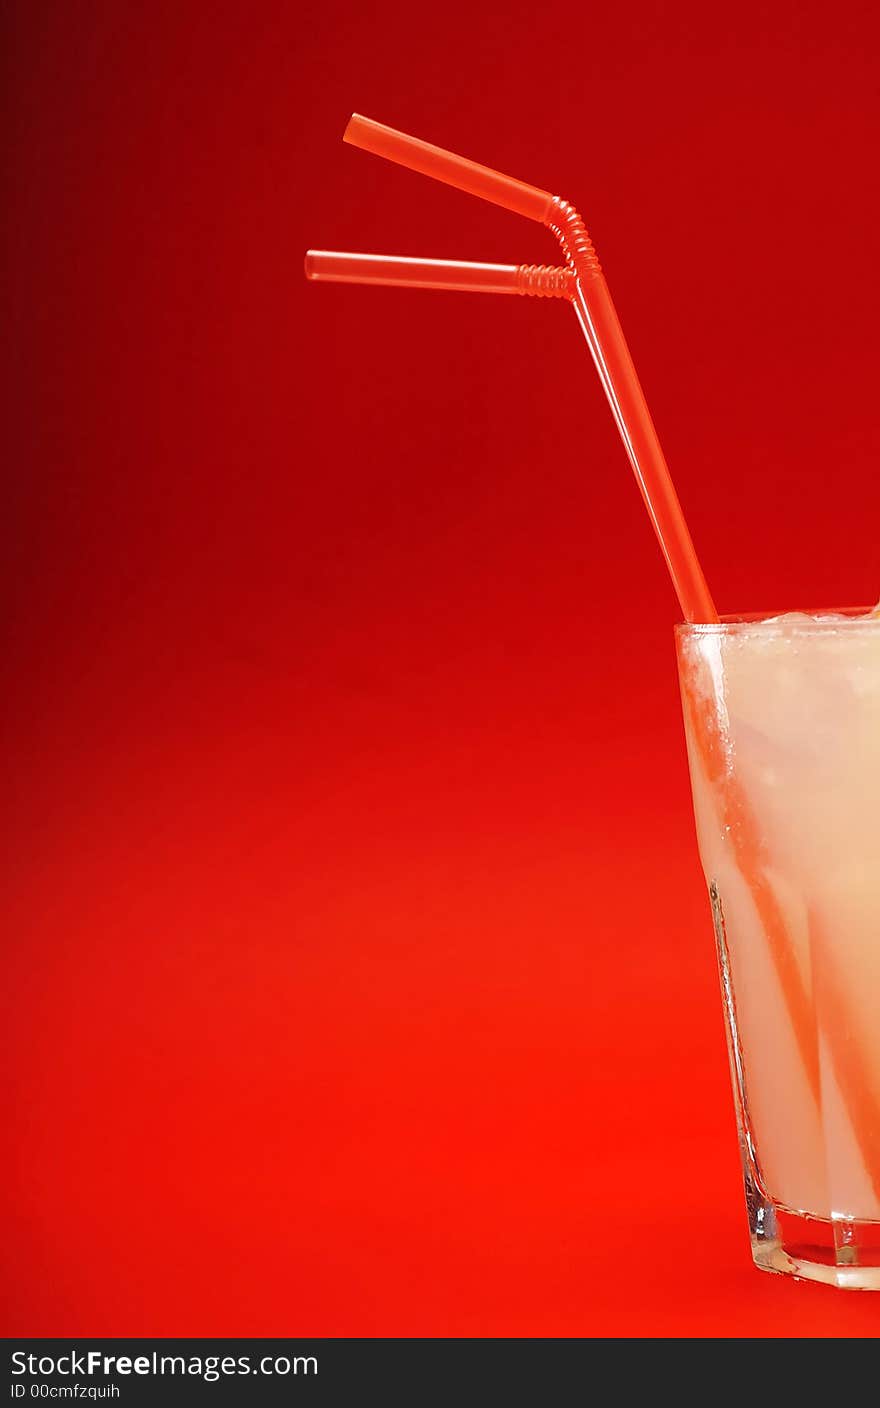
(360,977)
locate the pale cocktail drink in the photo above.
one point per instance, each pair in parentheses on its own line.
(782,718)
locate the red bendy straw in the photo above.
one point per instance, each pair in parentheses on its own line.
(598,320)
(452,170)
(538,280)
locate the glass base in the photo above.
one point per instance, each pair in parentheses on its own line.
(838,1251)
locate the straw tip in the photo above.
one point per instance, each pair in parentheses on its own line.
(351,127)
(309,264)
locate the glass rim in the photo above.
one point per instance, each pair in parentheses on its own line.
(824,619)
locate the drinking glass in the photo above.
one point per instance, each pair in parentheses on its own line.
(782,720)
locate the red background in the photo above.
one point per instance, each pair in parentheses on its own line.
(360,970)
